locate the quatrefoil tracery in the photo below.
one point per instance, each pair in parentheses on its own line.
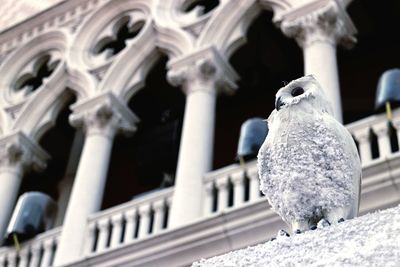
(35,72)
(122,31)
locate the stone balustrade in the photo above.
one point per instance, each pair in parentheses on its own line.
(377,137)
(226,189)
(231,186)
(144,216)
(37,252)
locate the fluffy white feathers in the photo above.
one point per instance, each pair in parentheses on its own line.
(308,165)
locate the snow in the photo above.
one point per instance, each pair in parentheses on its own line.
(370,240)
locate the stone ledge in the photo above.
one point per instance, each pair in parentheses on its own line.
(370,240)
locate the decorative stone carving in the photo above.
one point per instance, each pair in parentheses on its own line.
(108,32)
(36,73)
(74,24)
(318,21)
(103,115)
(34,67)
(18,153)
(115,39)
(203,70)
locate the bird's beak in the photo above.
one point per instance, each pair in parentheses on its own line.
(279,103)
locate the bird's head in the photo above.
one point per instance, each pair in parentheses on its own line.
(305,91)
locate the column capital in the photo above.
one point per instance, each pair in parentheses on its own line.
(19,153)
(206,70)
(319,21)
(103,115)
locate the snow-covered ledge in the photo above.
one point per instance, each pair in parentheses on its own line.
(370,240)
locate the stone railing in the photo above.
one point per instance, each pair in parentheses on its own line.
(377,140)
(37,252)
(132,221)
(225,189)
(377,137)
(231,186)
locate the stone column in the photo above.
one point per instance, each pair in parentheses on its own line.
(318,27)
(202,75)
(18,155)
(101,118)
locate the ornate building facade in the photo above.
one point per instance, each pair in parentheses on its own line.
(106,104)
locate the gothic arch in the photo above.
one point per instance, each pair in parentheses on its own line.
(173,40)
(97,28)
(15,66)
(128,72)
(33,82)
(227,33)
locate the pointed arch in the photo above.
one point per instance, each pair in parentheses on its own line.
(228,32)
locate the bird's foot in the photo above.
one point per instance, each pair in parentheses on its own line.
(340,220)
(313,227)
(323,223)
(282,233)
(298,231)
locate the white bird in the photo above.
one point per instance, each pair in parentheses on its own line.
(308,165)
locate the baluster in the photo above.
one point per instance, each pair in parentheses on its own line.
(222,186)
(364,144)
(23,257)
(208,202)
(35,258)
(116,230)
(12,259)
(144,212)
(254,184)
(130,217)
(56,241)
(159,213)
(2,260)
(91,238)
(103,226)
(47,252)
(382,132)
(168,202)
(238,188)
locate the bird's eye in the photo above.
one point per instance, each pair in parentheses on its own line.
(297,91)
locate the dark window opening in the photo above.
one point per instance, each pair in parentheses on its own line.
(147,160)
(57,142)
(43,68)
(267,59)
(117,42)
(375,52)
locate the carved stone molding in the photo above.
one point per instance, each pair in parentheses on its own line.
(19,153)
(203,70)
(66,14)
(319,21)
(103,115)
(31,69)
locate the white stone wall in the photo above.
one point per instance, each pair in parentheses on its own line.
(14,11)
